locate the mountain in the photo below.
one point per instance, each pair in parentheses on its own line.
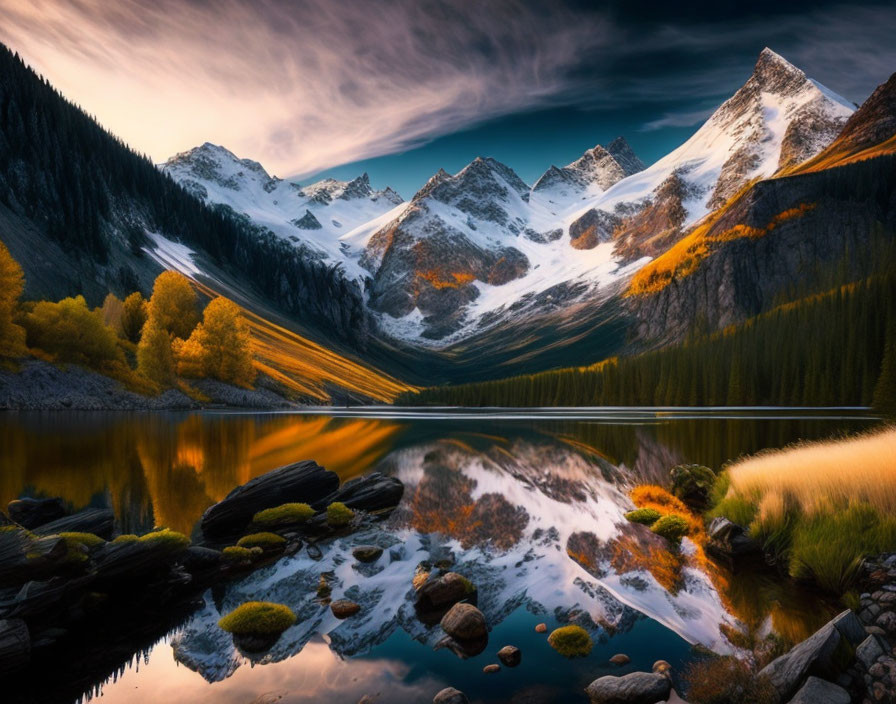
(84,214)
(827,223)
(596,170)
(312,216)
(778,118)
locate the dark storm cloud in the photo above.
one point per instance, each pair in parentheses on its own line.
(307,84)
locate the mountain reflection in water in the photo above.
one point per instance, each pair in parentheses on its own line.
(531,510)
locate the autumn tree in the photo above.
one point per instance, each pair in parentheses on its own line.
(111,311)
(155,359)
(133,315)
(71,332)
(12,283)
(220,346)
(173,304)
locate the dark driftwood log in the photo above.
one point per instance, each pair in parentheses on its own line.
(305,482)
(99,521)
(31,513)
(372,492)
(15,645)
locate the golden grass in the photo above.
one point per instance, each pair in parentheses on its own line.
(821,475)
(841,153)
(308,368)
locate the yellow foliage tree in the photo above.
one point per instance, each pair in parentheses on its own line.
(12,283)
(112,310)
(220,346)
(173,304)
(71,332)
(155,359)
(133,315)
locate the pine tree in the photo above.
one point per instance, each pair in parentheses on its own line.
(885,389)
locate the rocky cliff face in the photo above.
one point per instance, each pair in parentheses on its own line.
(782,233)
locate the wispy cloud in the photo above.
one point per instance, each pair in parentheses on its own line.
(678,119)
(305,85)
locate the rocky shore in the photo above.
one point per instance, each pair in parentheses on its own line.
(73,583)
(40,386)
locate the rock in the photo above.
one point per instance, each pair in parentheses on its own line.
(692,483)
(662,667)
(343,608)
(464,622)
(887,621)
(444,591)
(99,521)
(314,552)
(199,560)
(367,553)
(15,645)
(620,659)
(813,656)
(510,655)
(634,688)
(728,541)
(372,493)
(450,695)
(31,513)
(302,482)
(463,648)
(818,691)
(133,561)
(850,627)
(870,650)
(541,628)
(491,669)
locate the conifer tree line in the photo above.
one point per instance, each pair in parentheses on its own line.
(88,191)
(832,349)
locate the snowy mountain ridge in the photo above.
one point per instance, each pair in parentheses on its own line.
(480,247)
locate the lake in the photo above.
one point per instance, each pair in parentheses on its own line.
(527,504)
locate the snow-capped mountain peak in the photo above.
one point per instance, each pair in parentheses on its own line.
(313,216)
(594,172)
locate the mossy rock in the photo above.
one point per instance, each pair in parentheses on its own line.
(79,545)
(171,539)
(693,484)
(126,538)
(265,541)
(258,618)
(283,515)
(238,554)
(644,516)
(571,641)
(339,515)
(673,528)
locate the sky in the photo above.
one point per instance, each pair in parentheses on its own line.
(400,88)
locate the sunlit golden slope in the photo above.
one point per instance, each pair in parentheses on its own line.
(308,368)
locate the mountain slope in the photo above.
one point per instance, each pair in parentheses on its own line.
(794,231)
(82,212)
(313,216)
(779,117)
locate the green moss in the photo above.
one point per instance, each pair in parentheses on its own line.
(171,539)
(76,544)
(126,538)
(260,618)
(468,585)
(238,554)
(673,528)
(339,515)
(323,588)
(87,539)
(265,541)
(645,516)
(284,514)
(571,641)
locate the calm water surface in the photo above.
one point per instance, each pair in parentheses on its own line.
(528,504)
